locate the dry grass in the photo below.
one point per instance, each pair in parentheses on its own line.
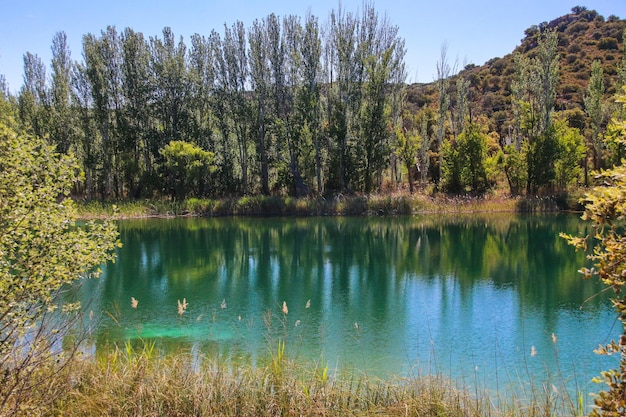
(124,382)
(350,205)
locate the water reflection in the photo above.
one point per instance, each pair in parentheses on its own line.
(465,296)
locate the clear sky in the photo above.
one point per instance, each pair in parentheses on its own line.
(474,30)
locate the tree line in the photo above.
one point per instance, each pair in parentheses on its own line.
(289,105)
(283,105)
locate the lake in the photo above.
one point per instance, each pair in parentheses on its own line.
(494,300)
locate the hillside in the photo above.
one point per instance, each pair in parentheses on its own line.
(584,36)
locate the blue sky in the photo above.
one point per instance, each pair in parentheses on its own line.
(474,30)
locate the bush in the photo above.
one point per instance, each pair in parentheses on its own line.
(577,28)
(605,208)
(41,251)
(607,44)
(186,168)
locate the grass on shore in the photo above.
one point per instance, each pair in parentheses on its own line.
(319,206)
(124,382)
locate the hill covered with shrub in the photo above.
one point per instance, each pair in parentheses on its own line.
(584,36)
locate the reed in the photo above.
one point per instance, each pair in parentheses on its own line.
(342,205)
(133,383)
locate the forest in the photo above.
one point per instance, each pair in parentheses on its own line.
(295,106)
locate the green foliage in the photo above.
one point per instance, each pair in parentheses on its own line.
(41,251)
(595,109)
(186,168)
(571,151)
(541,155)
(536,85)
(407,147)
(605,208)
(464,161)
(451,165)
(607,43)
(288,108)
(515,169)
(374,118)
(616,133)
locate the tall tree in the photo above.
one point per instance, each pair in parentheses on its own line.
(443,85)
(168,63)
(136,123)
(396,89)
(375,115)
(342,69)
(535,95)
(33,99)
(381,55)
(309,93)
(547,64)
(111,51)
(103,69)
(236,65)
(62,130)
(595,111)
(201,75)
(88,146)
(221,106)
(423,156)
(462,103)
(260,77)
(407,147)
(4,87)
(298,137)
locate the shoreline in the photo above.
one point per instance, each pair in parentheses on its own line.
(353,205)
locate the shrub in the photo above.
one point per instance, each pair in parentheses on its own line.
(41,251)
(605,207)
(607,44)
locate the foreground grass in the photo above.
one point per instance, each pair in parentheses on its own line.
(319,206)
(123,383)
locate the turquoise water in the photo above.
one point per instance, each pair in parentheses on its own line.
(470,297)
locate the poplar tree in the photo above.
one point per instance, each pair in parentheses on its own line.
(88,146)
(309,92)
(201,76)
(595,111)
(535,96)
(424,147)
(407,148)
(443,104)
(342,68)
(298,138)
(138,151)
(221,106)
(381,54)
(33,99)
(236,65)
(62,129)
(375,115)
(171,95)
(259,75)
